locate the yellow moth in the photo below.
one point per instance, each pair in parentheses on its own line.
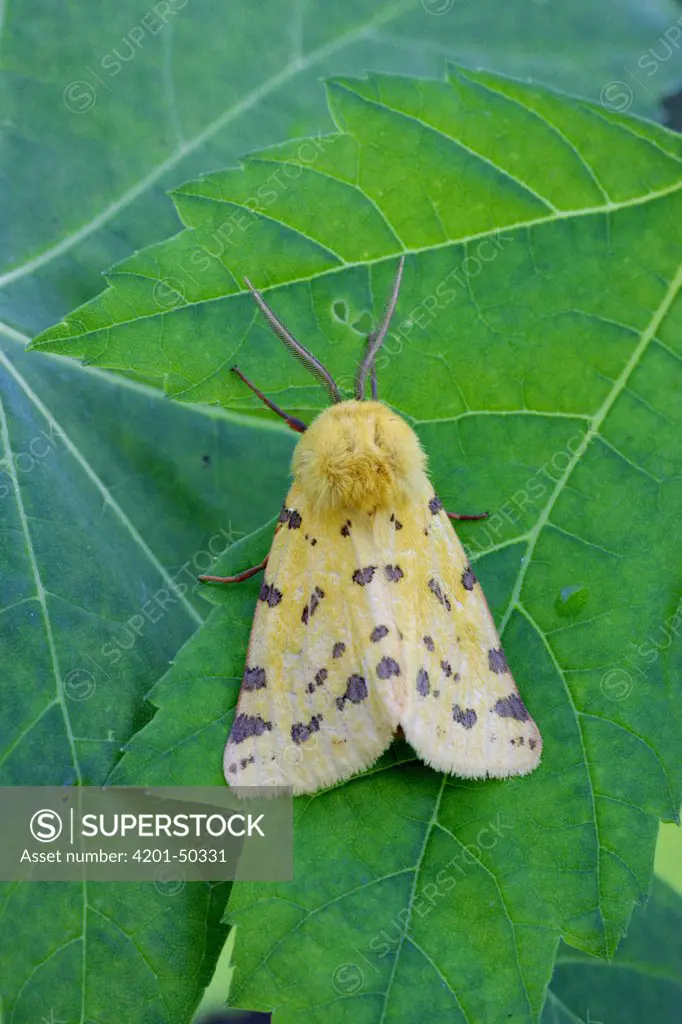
(370,618)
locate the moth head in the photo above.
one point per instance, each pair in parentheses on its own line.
(358,455)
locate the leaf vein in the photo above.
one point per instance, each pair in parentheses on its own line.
(374,102)
(94,479)
(386,14)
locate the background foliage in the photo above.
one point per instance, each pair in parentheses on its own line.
(111,494)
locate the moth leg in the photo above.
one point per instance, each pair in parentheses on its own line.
(456,515)
(246,575)
(291,421)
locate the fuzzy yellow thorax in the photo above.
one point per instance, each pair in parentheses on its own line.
(360,456)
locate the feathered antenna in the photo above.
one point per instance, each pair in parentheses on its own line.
(376,339)
(295,347)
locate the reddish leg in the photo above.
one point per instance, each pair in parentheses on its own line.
(246,575)
(291,421)
(456,515)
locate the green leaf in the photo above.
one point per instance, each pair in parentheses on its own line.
(93,181)
(128,100)
(499,163)
(102,535)
(668,863)
(543,377)
(643,981)
(197,695)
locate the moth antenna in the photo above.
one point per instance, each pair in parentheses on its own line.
(373,368)
(376,339)
(310,362)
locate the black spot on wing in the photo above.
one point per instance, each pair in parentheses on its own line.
(364,576)
(439,594)
(435,505)
(532,744)
(497,661)
(245,726)
(423,685)
(467,719)
(295,519)
(388,667)
(311,607)
(269,594)
(512,707)
(254,678)
(356,691)
(338,649)
(393,573)
(428,643)
(320,679)
(378,633)
(396,522)
(300,731)
(468,578)
(246,761)
(232,769)
(447,668)
(284,515)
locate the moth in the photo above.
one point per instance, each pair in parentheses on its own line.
(369,618)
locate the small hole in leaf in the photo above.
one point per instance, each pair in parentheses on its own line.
(340,310)
(363,325)
(571,600)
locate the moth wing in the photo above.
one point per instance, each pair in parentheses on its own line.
(463,713)
(308,715)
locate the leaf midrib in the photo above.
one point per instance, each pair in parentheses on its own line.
(59,698)
(149,391)
(94,479)
(38,583)
(295,66)
(592,432)
(515,604)
(430,825)
(565,215)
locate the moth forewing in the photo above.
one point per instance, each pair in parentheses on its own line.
(306,715)
(463,714)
